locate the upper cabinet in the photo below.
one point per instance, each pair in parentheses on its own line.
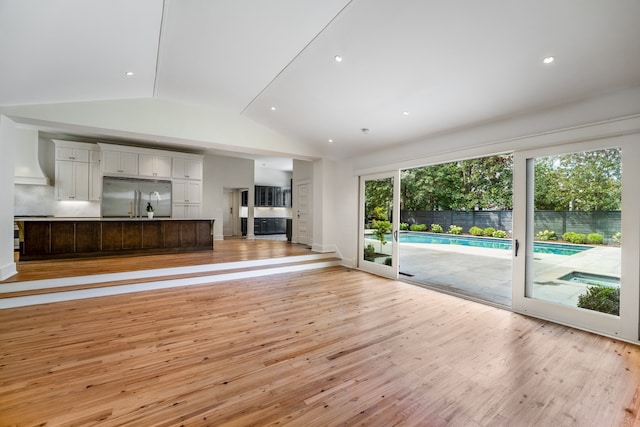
(187,168)
(119,163)
(154,166)
(272,196)
(73,178)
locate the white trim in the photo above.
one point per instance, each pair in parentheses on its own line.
(7,271)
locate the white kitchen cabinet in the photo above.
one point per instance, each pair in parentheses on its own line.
(186,191)
(72,154)
(119,163)
(154,166)
(184,168)
(187,196)
(182,211)
(95,182)
(72,180)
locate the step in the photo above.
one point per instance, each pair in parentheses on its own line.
(33,292)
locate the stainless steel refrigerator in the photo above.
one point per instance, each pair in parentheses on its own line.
(128,197)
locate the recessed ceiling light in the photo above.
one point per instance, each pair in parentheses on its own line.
(365,131)
(338,58)
(406,113)
(330,141)
(129,73)
(548,59)
(273,108)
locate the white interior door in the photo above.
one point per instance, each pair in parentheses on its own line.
(572,204)
(379,221)
(303,212)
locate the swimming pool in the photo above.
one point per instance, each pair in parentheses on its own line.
(488,242)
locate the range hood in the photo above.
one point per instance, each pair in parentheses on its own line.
(27,164)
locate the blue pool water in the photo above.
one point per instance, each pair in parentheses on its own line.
(488,242)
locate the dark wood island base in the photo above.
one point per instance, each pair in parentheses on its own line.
(74,238)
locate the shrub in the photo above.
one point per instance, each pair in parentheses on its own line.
(488,231)
(573,237)
(436,228)
(475,231)
(369,252)
(547,235)
(500,233)
(617,237)
(601,298)
(418,227)
(404,226)
(595,238)
(454,229)
(388,261)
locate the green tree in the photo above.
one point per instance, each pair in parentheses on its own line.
(484,183)
(585,181)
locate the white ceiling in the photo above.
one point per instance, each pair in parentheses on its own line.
(450,64)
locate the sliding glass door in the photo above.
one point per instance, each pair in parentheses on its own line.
(379,219)
(572,264)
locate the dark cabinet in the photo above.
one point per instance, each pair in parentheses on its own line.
(269,226)
(272,196)
(244,198)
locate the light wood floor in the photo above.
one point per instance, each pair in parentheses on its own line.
(321,348)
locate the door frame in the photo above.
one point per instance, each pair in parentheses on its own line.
(370,267)
(626,326)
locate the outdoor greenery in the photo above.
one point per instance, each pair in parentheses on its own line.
(454,229)
(475,231)
(404,226)
(547,235)
(380,229)
(595,238)
(488,231)
(436,228)
(586,181)
(500,234)
(577,238)
(418,227)
(369,252)
(484,183)
(601,298)
(617,237)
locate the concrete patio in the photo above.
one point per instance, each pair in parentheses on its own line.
(486,274)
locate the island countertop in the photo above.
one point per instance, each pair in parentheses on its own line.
(84,218)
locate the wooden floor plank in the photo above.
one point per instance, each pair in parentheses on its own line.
(321,348)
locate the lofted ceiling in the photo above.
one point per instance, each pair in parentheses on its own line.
(409,69)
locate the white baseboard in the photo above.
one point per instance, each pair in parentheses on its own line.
(8,270)
(323,248)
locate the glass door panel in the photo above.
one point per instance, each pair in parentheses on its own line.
(574,257)
(573,204)
(378,224)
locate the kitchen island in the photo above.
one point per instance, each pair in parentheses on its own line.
(50,238)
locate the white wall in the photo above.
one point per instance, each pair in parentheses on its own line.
(220,173)
(272,177)
(7,145)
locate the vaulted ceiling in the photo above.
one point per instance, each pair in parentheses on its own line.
(409,69)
